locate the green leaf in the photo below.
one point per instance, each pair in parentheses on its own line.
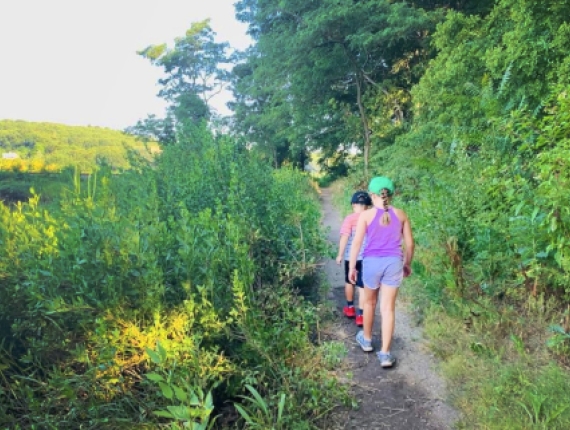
(553,224)
(180,394)
(182,413)
(534,214)
(554,341)
(209,403)
(243,413)
(281,407)
(161,351)
(163,414)
(194,400)
(154,377)
(154,357)
(166,390)
(556,413)
(555,328)
(259,400)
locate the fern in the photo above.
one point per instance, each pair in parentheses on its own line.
(505,80)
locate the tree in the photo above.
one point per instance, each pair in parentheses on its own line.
(194,73)
(161,130)
(321,58)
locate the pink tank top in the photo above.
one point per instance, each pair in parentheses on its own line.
(384,240)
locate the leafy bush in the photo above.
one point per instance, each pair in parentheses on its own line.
(197,256)
(487,201)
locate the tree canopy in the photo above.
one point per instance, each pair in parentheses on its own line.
(194,73)
(463,103)
(331,74)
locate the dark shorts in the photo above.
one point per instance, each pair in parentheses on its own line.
(359,282)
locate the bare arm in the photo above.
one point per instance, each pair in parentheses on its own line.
(357,244)
(408,246)
(341,248)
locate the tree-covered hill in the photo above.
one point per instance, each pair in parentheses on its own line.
(39,146)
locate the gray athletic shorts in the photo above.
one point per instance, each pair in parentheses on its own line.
(378,271)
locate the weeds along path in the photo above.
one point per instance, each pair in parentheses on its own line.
(408,397)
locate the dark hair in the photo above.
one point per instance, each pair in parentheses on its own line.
(385,196)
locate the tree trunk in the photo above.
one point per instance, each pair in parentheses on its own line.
(364,120)
(360,77)
(275,160)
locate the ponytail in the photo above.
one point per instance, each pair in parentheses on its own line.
(385,220)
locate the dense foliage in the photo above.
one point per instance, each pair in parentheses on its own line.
(331,74)
(158,294)
(51,147)
(467,107)
(485,155)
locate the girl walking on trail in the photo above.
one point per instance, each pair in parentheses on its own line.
(384,263)
(360,202)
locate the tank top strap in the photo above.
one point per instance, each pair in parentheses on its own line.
(380,210)
(377,215)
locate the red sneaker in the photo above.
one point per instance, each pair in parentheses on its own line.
(359,320)
(349,311)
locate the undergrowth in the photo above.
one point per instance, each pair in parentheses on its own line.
(501,336)
(173,295)
(499,382)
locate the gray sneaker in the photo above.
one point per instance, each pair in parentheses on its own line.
(386,360)
(365,344)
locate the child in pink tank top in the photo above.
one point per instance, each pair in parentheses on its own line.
(360,202)
(384,263)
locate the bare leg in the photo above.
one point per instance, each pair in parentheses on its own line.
(349,292)
(370,297)
(388,312)
(360,298)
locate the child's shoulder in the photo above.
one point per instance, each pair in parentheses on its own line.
(400,213)
(371,211)
(347,218)
(368,214)
(349,223)
(352,216)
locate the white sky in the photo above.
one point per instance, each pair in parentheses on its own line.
(74,61)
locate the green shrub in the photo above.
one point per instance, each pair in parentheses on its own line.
(202,252)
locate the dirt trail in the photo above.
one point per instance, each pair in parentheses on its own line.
(408,397)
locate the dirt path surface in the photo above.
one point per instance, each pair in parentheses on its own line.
(408,397)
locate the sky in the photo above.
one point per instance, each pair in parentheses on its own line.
(74,61)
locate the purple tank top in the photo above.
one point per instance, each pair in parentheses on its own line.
(384,240)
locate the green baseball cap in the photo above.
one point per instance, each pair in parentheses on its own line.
(378,183)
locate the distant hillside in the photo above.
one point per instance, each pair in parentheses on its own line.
(46,146)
